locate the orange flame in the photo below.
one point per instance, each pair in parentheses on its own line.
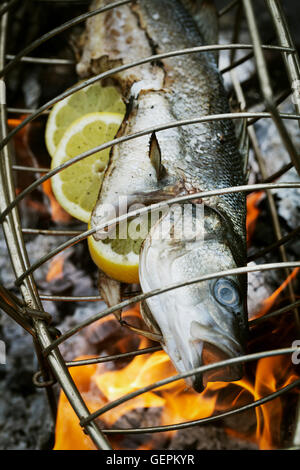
(15,122)
(56,268)
(268,303)
(177,403)
(58,214)
(252,213)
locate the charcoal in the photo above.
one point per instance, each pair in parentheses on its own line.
(25,421)
(258,289)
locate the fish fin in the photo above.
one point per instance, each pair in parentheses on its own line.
(158,195)
(155,156)
(205,16)
(110,289)
(148,334)
(148,318)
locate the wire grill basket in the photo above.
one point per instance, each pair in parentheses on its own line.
(29,312)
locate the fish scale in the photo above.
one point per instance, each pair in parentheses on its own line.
(214,162)
(206,321)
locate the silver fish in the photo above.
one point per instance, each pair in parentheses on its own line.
(207,321)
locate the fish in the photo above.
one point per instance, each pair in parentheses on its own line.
(204,322)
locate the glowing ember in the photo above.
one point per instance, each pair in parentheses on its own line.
(15,122)
(252,213)
(268,303)
(58,214)
(56,268)
(177,404)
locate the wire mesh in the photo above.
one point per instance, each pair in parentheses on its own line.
(30,314)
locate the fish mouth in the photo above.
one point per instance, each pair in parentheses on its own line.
(209,353)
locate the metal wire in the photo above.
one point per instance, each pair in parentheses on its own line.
(197,370)
(210,419)
(33,317)
(153,293)
(56,31)
(145,210)
(126,138)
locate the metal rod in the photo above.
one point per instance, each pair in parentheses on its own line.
(279,173)
(228,7)
(288,308)
(58,30)
(124,67)
(198,370)
(30,169)
(153,293)
(274,245)
(7,6)
(11,225)
(265,83)
(19,260)
(101,359)
(16,247)
(15,315)
(82,298)
(275,222)
(270,197)
(56,233)
(209,419)
(291,59)
(125,138)
(147,209)
(25,111)
(235,64)
(42,60)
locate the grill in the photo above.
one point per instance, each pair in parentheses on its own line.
(29,312)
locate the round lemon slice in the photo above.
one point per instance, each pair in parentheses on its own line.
(76,188)
(94,98)
(118,257)
(121,267)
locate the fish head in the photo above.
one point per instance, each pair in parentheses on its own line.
(201,322)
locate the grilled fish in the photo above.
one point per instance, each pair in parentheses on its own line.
(207,321)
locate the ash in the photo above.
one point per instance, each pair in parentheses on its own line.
(25,421)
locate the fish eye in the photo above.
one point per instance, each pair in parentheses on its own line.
(226,292)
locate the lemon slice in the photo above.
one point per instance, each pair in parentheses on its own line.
(123,268)
(94,98)
(76,188)
(118,258)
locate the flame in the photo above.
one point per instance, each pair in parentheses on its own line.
(56,268)
(270,375)
(252,213)
(268,303)
(15,122)
(175,401)
(69,434)
(58,214)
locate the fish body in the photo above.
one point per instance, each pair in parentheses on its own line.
(206,321)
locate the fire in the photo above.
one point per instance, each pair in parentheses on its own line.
(268,303)
(252,213)
(271,373)
(15,122)
(58,214)
(56,268)
(175,401)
